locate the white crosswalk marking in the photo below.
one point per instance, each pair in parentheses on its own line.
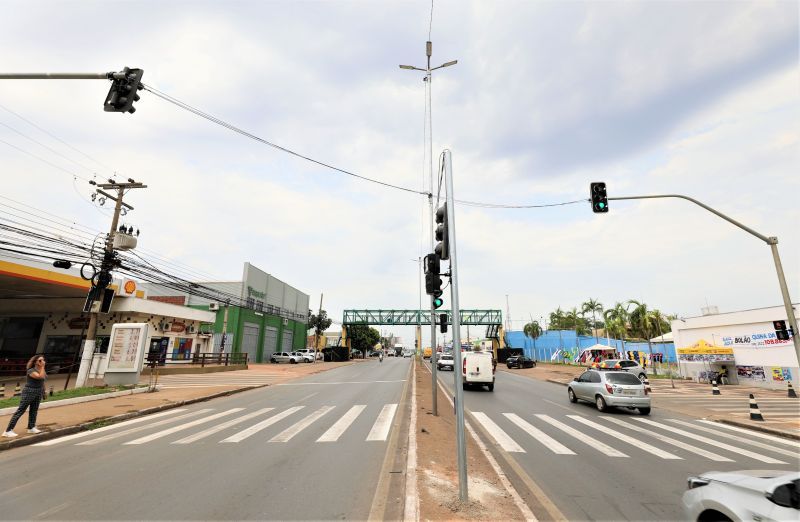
(287,434)
(625,438)
(142,428)
(124,424)
(255,428)
(219,427)
(181,427)
(712,442)
(501,437)
(546,440)
(335,431)
(752,433)
(586,439)
(380,430)
(670,440)
(718,433)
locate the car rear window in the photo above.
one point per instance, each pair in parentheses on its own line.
(622,378)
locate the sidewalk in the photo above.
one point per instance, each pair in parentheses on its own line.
(781,414)
(76,417)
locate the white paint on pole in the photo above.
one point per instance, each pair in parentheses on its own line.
(340,426)
(219,427)
(586,439)
(124,424)
(287,434)
(380,430)
(175,429)
(255,428)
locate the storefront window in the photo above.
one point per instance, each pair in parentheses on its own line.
(182,348)
(101,343)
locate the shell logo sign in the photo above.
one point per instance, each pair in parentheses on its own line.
(129,287)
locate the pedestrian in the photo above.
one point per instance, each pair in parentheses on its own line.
(32,395)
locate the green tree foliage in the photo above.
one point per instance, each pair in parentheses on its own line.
(319,323)
(533,331)
(593,306)
(363,337)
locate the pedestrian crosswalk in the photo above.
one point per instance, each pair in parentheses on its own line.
(627,436)
(236,425)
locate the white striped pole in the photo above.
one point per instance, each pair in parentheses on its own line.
(755,413)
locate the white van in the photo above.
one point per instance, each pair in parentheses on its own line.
(477,369)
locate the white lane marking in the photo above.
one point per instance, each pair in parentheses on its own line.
(546,440)
(737,438)
(141,428)
(753,433)
(219,427)
(501,437)
(107,428)
(712,442)
(287,434)
(586,439)
(669,440)
(255,428)
(340,426)
(181,427)
(626,438)
(347,382)
(380,430)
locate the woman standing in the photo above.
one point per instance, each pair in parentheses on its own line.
(32,395)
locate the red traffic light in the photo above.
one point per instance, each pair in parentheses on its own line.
(779,325)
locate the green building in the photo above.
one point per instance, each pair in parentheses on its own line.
(258,315)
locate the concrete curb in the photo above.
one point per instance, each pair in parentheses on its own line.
(78,400)
(557,382)
(762,429)
(69,430)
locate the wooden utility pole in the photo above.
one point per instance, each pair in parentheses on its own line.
(103,277)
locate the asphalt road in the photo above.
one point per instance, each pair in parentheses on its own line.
(236,460)
(613,466)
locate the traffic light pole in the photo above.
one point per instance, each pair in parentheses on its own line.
(771,241)
(461,441)
(434,376)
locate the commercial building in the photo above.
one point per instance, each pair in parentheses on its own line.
(744,342)
(258,315)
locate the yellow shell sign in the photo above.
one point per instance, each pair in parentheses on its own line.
(702,347)
(129,287)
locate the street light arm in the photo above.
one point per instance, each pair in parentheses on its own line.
(448,64)
(412,68)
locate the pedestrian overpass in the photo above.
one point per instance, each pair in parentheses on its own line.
(492,319)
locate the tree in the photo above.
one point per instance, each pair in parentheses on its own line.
(363,337)
(534,331)
(318,323)
(594,306)
(616,320)
(557,319)
(642,323)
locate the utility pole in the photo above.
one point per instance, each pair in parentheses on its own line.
(771,241)
(103,278)
(428,79)
(316,337)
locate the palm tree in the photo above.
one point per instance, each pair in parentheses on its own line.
(593,306)
(642,323)
(532,330)
(557,319)
(616,320)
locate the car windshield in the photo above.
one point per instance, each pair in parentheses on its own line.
(622,378)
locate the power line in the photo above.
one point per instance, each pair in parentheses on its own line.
(34,140)
(44,161)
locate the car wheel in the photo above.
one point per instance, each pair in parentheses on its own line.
(571,394)
(491,387)
(273,361)
(533,365)
(642,377)
(464,386)
(644,411)
(293,361)
(600,402)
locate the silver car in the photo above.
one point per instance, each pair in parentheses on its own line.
(609,389)
(445,360)
(627,366)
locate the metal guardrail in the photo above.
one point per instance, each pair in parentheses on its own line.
(197,359)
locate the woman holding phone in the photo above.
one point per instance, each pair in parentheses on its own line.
(32,395)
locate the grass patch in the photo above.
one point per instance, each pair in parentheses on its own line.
(68,394)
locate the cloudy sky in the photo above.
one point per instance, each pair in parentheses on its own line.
(696,98)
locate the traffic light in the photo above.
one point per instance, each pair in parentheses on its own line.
(438,301)
(443,323)
(599,197)
(443,246)
(780,330)
(122,94)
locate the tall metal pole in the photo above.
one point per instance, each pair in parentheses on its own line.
(434,355)
(419,314)
(461,442)
(771,241)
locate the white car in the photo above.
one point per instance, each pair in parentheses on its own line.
(743,495)
(309,353)
(477,369)
(285,357)
(445,361)
(304,356)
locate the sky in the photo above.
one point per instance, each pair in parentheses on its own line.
(694,98)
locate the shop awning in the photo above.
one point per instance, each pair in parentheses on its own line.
(704,347)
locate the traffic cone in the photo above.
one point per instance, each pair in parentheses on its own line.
(715,388)
(17,391)
(647,388)
(3,389)
(51,391)
(792,393)
(755,413)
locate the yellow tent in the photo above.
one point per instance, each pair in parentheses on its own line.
(703,347)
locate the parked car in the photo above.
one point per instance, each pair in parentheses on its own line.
(520,361)
(626,365)
(356,354)
(478,369)
(304,356)
(285,357)
(609,389)
(374,353)
(309,351)
(743,495)
(445,361)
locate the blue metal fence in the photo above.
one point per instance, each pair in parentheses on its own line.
(553,340)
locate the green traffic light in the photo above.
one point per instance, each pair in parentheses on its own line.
(602,205)
(438,302)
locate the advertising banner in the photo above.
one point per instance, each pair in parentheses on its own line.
(125,350)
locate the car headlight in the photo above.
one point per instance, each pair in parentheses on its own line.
(696,482)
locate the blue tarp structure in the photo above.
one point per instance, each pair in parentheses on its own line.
(553,340)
